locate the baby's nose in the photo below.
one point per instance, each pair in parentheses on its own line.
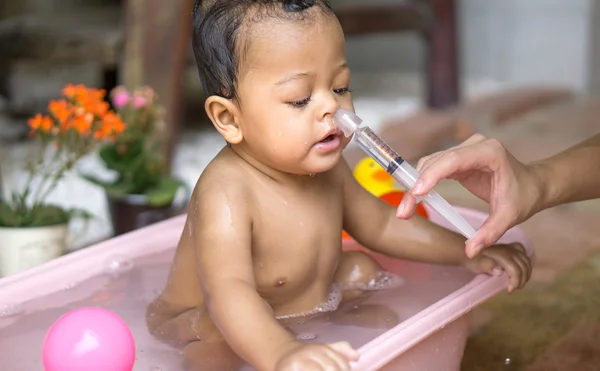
(328,122)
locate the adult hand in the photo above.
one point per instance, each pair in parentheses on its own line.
(489,171)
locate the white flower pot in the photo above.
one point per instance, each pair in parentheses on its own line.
(24,248)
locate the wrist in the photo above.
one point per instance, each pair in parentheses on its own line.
(283,349)
(543,190)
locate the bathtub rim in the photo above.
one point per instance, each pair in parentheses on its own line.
(83,264)
(409,333)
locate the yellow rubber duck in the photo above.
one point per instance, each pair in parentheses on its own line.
(372,177)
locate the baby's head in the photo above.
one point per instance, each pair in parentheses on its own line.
(275,73)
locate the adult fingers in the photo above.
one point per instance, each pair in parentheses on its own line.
(407,206)
(490,231)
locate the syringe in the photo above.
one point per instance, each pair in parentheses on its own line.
(395,165)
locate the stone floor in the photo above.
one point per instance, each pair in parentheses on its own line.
(562,236)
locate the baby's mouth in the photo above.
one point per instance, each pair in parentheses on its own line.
(328,138)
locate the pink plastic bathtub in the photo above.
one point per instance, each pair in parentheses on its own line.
(124,273)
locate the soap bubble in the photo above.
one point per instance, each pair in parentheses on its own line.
(10,310)
(306,336)
(117,265)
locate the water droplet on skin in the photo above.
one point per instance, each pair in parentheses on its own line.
(507,361)
(306,336)
(10,310)
(312,175)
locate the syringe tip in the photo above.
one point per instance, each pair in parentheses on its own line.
(346,121)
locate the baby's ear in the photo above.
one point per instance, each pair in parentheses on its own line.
(224,113)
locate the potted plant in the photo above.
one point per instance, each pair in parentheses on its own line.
(142,191)
(32,230)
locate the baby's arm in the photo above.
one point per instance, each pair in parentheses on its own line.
(221,234)
(373,223)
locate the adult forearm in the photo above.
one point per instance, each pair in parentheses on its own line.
(572,175)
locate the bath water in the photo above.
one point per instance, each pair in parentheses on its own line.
(126,287)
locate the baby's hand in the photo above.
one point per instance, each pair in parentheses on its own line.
(511,258)
(318,357)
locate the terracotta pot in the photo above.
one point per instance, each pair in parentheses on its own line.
(133,211)
(24,248)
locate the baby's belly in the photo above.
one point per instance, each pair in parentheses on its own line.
(291,302)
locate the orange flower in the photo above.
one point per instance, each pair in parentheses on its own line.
(92,100)
(82,123)
(99,108)
(69,91)
(112,125)
(73,91)
(61,110)
(41,122)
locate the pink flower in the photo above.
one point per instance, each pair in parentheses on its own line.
(139,101)
(121,99)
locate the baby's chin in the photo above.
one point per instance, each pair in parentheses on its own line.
(322,165)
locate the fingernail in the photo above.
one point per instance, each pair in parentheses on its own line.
(476,250)
(400,209)
(418,186)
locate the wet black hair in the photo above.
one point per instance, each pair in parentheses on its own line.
(216,38)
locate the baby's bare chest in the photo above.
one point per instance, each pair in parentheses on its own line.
(296,240)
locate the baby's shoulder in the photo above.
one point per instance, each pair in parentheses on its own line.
(222,180)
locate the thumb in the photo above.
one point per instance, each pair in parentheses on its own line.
(489,233)
(344,348)
(489,266)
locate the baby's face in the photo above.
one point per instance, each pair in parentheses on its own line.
(292,80)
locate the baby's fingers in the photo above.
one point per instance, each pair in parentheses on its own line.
(525,264)
(330,360)
(489,266)
(512,269)
(344,348)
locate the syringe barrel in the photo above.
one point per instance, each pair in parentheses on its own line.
(377,149)
(407,176)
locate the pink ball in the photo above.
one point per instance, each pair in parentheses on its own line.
(89,339)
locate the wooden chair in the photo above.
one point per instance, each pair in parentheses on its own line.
(433,20)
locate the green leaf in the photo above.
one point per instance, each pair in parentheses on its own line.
(46,215)
(8,216)
(164,193)
(94,180)
(119,189)
(80,214)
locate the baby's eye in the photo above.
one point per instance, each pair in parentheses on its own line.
(342,91)
(300,103)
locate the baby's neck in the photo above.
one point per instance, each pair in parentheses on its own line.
(278,176)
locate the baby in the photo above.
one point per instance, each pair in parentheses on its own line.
(262,241)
